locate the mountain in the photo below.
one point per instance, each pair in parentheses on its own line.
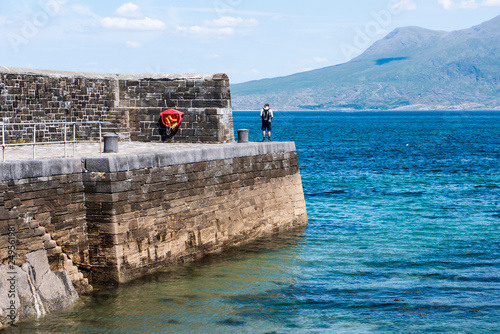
(409,69)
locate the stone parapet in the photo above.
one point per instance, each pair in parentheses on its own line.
(129,104)
(128,162)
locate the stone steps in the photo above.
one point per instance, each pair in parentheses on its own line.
(58,260)
(54,251)
(117,122)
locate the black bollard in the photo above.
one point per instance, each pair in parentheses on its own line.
(243,136)
(110,143)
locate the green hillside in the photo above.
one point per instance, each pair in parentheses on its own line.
(410,69)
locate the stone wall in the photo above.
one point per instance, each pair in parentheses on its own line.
(45,96)
(205,100)
(121,216)
(52,192)
(129,104)
(151,210)
(36,276)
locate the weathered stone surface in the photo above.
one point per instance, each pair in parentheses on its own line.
(26,169)
(55,288)
(191,203)
(56,201)
(122,163)
(33,289)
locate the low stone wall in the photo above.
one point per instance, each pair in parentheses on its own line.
(129,104)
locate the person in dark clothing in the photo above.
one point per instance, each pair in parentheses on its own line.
(267,115)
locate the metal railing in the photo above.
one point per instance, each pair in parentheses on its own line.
(66,126)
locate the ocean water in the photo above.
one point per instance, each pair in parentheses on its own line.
(403,237)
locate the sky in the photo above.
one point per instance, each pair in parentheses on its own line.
(246,39)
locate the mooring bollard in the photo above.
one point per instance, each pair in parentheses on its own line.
(110,143)
(243,136)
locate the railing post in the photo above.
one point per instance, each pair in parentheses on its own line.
(3,141)
(74,140)
(65,138)
(100,138)
(34,141)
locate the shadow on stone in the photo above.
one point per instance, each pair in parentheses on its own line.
(166,133)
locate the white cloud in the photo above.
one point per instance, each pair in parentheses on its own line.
(447,4)
(255,71)
(229,21)
(132,24)
(131,18)
(468,4)
(3,20)
(405,5)
(320,60)
(197,30)
(222,27)
(129,10)
(133,45)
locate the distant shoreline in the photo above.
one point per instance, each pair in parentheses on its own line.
(375,110)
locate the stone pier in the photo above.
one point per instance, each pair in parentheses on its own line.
(74,218)
(110,218)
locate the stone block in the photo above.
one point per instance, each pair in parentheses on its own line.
(39,231)
(103,165)
(50,244)
(54,251)
(64,166)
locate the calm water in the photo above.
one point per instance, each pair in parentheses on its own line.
(403,237)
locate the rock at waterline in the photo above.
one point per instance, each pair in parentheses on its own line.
(33,289)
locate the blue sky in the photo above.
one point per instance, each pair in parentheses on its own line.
(247,39)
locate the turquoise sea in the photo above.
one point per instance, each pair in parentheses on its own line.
(403,237)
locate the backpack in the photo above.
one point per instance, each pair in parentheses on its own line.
(265,114)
